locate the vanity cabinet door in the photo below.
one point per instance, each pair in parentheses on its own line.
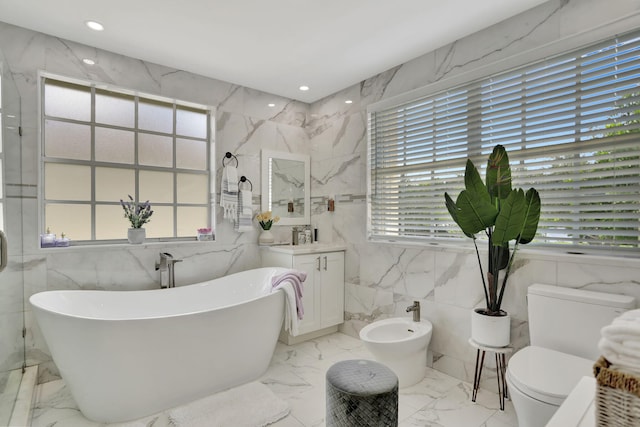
(332,289)
(310,264)
(323,291)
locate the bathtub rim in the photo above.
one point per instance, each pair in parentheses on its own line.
(135,293)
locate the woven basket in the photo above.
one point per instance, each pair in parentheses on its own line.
(617,396)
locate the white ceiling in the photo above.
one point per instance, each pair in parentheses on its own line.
(271,45)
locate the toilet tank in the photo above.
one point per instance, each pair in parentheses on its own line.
(569,320)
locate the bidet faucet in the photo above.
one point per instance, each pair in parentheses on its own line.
(416,310)
(166,266)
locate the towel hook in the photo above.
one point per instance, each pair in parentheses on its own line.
(228,155)
(245,179)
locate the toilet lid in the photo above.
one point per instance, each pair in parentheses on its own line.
(547,375)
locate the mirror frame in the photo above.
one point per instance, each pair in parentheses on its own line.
(268,154)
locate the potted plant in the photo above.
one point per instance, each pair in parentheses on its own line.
(138,214)
(266,220)
(504,214)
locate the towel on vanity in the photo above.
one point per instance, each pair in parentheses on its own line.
(291,283)
(244,215)
(229,192)
(620,342)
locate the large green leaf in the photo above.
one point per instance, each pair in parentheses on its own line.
(474,213)
(498,174)
(509,222)
(473,182)
(453,211)
(451,207)
(531,217)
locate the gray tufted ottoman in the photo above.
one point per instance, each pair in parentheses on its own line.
(361,393)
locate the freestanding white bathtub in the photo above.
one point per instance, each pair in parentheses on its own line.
(125,355)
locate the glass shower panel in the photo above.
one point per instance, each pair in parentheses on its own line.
(12,344)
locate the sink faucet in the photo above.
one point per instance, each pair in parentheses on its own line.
(166,266)
(416,310)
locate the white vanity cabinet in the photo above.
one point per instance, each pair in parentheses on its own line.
(323,293)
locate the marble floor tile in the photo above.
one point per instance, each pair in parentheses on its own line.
(297,375)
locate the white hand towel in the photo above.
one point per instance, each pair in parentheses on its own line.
(246,197)
(229,198)
(624,359)
(232,178)
(244,215)
(619,349)
(622,331)
(620,342)
(630,315)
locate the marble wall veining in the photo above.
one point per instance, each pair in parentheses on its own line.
(245,124)
(382,279)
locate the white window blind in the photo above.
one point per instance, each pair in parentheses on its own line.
(570,125)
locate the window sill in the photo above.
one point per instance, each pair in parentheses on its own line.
(594,256)
(124,245)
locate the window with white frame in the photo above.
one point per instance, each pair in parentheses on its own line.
(571,126)
(100,145)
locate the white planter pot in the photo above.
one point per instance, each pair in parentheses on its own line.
(266,237)
(136,235)
(490,331)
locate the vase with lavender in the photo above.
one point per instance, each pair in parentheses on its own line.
(138,214)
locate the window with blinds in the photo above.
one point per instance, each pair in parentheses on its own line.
(570,125)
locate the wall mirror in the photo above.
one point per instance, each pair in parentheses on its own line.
(286,187)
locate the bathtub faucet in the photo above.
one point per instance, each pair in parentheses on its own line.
(416,310)
(166,267)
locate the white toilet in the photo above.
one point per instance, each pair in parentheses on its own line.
(564,327)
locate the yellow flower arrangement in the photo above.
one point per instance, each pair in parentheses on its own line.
(266,220)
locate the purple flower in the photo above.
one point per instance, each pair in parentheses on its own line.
(138,214)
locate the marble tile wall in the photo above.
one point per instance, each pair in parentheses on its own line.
(244,125)
(382,278)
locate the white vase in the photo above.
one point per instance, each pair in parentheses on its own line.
(266,238)
(490,331)
(136,236)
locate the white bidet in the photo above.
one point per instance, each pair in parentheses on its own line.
(401,344)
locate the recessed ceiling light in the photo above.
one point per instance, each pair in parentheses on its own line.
(272,105)
(304,87)
(89,61)
(348,101)
(96,26)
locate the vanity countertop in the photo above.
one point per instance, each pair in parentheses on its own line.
(312,248)
(578,408)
